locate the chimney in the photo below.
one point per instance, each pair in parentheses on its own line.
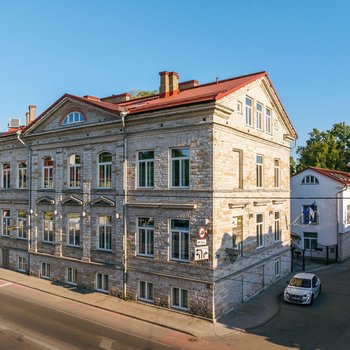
(117,98)
(188,84)
(30,116)
(92,98)
(173,83)
(164,84)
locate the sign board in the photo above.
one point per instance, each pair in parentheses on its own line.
(202,232)
(201,242)
(201,253)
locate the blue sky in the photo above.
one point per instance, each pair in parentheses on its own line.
(103,47)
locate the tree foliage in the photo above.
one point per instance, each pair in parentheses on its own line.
(292,166)
(328,149)
(143,93)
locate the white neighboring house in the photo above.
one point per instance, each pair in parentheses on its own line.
(326,233)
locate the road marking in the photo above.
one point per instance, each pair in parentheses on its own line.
(106,344)
(6,284)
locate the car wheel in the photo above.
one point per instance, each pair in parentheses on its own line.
(312,299)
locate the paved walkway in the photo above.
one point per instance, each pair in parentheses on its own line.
(251,314)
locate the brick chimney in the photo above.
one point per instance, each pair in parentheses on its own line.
(31,115)
(124,97)
(173,83)
(169,84)
(188,84)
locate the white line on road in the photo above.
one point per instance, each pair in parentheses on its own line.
(6,284)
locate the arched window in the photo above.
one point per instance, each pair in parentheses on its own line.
(48,172)
(73,117)
(74,171)
(105,170)
(310,180)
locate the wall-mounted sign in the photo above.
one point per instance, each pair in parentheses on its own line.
(202,232)
(201,242)
(201,253)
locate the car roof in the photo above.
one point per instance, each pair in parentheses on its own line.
(305,275)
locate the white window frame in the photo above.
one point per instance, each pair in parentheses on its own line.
(146,291)
(22,175)
(182,233)
(310,180)
(259,116)
(148,234)
(45,270)
(277,226)
(103,181)
(147,166)
(5,223)
(71,276)
(49,224)
(239,107)
(277,263)
(102,281)
(73,117)
(183,165)
(48,174)
(22,264)
(105,229)
(249,111)
(259,231)
(268,119)
(74,230)
(181,293)
(259,171)
(277,173)
(74,171)
(6,175)
(21,224)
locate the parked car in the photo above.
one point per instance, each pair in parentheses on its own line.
(303,288)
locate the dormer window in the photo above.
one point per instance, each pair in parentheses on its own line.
(73,117)
(310,180)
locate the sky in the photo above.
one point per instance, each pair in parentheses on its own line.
(104,47)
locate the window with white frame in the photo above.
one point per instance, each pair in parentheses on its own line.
(277,226)
(180,245)
(22,264)
(145,238)
(239,107)
(179,298)
(259,171)
(45,271)
(22,224)
(72,276)
(259,230)
(6,222)
(105,232)
(22,174)
(268,120)
(277,267)
(259,109)
(48,173)
(48,226)
(145,291)
(74,171)
(180,167)
(105,170)
(6,172)
(146,169)
(310,180)
(248,111)
(74,229)
(102,282)
(73,117)
(277,173)
(310,240)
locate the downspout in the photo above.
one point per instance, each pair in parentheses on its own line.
(338,218)
(29,182)
(125,200)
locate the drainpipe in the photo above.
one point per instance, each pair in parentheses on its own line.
(338,218)
(29,183)
(125,200)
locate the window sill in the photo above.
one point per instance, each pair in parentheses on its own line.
(104,250)
(145,256)
(180,260)
(73,246)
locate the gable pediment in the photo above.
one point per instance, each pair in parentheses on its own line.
(102,202)
(71,200)
(46,200)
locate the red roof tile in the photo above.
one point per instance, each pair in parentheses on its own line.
(340,176)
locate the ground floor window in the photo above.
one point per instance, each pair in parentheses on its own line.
(72,275)
(45,270)
(22,264)
(101,282)
(277,268)
(146,291)
(179,298)
(310,240)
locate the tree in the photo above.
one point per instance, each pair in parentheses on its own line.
(292,166)
(143,93)
(328,149)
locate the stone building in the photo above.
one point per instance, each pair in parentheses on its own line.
(179,199)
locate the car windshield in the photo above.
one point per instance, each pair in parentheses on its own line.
(300,282)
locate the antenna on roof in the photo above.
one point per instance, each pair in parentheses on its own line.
(217,80)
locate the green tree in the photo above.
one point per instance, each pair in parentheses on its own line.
(292,166)
(143,93)
(328,149)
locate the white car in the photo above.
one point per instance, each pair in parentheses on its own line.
(303,288)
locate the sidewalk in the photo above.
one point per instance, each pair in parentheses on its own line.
(257,311)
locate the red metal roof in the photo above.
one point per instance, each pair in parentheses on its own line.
(340,176)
